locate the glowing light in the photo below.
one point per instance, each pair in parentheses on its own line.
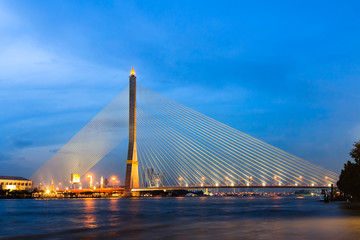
(329,184)
(47,191)
(232,184)
(187,185)
(10,187)
(296,184)
(264,184)
(201,184)
(132,73)
(312,184)
(217,184)
(75,178)
(90,180)
(113,178)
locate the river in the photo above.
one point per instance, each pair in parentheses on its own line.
(179,218)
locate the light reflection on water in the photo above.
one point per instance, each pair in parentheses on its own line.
(179,218)
(90,213)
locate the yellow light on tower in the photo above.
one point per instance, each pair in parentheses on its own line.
(132,73)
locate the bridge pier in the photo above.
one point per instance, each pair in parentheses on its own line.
(132,169)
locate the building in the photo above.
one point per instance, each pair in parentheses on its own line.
(152,179)
(15,183)
(148,177)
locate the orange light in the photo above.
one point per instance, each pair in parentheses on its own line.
(180,178)
(113,178)
(132,73)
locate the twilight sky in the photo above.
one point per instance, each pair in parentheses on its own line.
(284,72)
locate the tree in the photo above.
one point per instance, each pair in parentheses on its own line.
(349,180)
(355,153)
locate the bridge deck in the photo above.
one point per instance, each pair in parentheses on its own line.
(224,187)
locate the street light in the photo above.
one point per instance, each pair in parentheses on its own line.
(326,178)
(113,178)
(157,182)
(90,180)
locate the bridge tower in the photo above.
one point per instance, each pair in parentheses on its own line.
(132,171)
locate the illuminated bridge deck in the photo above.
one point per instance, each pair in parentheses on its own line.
(170,188)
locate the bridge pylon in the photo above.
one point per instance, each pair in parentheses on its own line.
(132,169)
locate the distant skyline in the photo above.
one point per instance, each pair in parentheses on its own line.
(285,73)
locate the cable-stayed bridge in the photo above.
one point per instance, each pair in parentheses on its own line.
(173,146)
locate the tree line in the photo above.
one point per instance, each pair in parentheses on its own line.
(349,180)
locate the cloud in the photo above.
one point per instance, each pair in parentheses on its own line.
(23,62)
(20,143)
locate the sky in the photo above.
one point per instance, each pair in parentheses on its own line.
(285,72)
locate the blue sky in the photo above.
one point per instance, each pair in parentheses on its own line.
(282,71)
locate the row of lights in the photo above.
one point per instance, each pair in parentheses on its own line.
(248,182)
(90,177)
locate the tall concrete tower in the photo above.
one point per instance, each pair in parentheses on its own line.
(132,171)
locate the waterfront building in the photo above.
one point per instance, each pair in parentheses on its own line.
(15,183)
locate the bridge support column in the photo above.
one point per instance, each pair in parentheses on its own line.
(132,170)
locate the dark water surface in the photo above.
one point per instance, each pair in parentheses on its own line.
(179,218)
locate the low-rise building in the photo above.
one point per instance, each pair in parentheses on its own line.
(15,183)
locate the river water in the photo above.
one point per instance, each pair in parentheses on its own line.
(179,218)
